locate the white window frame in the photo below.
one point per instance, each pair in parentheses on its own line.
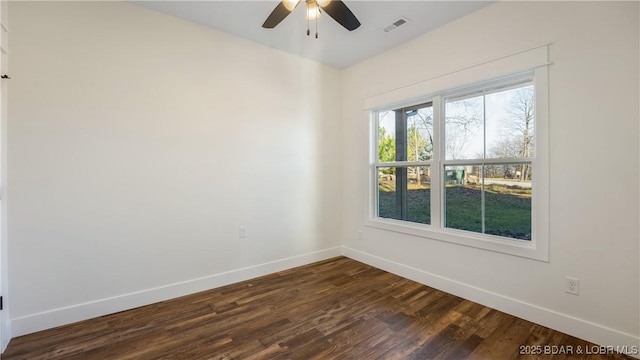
(538,247)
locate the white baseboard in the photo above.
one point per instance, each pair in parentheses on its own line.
(583,329)
(67,315)
(580,328)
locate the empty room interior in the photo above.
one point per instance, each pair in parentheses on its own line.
(320,179)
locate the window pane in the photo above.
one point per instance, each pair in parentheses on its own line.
(510,123)
(464,121)
(508,200)
(386,136)
(419,194)
(500,206)
(420,134)
(463,198)
(404,193)
(387,193)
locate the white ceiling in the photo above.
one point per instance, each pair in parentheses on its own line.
(335,46)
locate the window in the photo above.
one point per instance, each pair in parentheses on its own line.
(462,165)
(405,148)
(489,143)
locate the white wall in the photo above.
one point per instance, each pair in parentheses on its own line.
(594,135)
(138,143)
(4,45)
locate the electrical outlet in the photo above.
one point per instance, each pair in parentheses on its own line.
(242,231)
(572,286)
(359,235)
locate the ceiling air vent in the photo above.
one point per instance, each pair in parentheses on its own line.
(396,24)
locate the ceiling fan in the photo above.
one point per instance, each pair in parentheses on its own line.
(334,8)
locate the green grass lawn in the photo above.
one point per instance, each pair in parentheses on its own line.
(419,198)
(507,208)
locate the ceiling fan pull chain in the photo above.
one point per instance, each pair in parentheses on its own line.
(317,20)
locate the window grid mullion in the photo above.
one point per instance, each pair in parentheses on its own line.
(404,163)
(484,147)
(437,188)
(496,161)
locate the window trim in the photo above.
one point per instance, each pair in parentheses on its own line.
(538,247)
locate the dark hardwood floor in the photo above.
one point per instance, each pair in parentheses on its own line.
(333,309)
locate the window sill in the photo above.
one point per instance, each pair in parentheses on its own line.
(523,248)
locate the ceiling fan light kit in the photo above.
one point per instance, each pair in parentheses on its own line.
(336,9)
(313,12)
(290,4)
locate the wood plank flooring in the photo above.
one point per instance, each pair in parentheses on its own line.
(333,309)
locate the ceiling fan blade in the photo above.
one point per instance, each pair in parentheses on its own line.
(277,15)
(341,13)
